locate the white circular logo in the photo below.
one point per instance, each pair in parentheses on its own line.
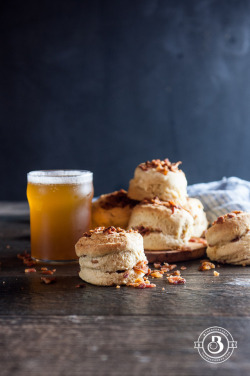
(215,344)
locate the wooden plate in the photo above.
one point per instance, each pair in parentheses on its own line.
(193,251)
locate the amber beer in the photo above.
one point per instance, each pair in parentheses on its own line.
(60,211)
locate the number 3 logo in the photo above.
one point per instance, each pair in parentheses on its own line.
(215,346)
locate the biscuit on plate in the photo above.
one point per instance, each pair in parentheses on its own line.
(196,209)
(158,178)
(229,239)
(112,209)
(163,225)
(111,256)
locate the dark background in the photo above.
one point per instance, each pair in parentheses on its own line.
(105,85)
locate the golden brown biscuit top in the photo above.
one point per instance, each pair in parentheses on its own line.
(161,166)
(116,199)
(107,231)
(223,218)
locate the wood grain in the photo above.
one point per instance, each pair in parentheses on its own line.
(63,330)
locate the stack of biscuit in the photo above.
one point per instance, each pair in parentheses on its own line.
(156,204)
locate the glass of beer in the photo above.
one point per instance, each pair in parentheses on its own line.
(60,212)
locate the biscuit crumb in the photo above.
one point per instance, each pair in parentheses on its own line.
(244,264)
(216,274)
(163,288)
(183,267)
(118,287)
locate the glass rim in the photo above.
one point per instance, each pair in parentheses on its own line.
(66,176)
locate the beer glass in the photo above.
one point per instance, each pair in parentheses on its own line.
(60,212)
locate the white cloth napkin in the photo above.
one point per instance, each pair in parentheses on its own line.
(221,197)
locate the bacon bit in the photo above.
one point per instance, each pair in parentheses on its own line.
(157,266)
(176,272)
(94,261)
(125,275)
(31,270)
(43,269)
(107,230)
(80,286)
(141,266)
(163,166)
(167,267)
(29,262)
(47,272)
(142,285)
(216,274)
(118,287)
(222,218)
(177,280)
(168,204)
(198,240)
(138,280)
(48,280)
(206,265)
(183,268)
(118,199)
(23,255)
(156,274)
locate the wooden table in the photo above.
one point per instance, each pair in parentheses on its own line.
(59,329)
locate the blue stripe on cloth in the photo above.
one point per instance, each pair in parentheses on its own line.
(221,197)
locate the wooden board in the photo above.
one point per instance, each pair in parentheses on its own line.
(193,251)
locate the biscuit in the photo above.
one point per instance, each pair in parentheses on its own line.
(158,178)
(112,209)
(163,225)
(196,209)
(229,239)
(111,256)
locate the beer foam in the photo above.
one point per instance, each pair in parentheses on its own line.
(60,177)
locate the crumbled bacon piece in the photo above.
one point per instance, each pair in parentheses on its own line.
(47,272)
(157,265)
(118,199)
(80,286)
(30,270)
(141,266)
(176,272)
(145,230)
(157,202)
(48,280)
(206,265)
(156,274)
(125,275)
(142,285)
(107,230)
(161,166)
(176,280)
(43,269)
(198,240)
(222,218)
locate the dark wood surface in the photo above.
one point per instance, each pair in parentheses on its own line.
(59,329)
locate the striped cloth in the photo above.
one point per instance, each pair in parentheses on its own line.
(221,197)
